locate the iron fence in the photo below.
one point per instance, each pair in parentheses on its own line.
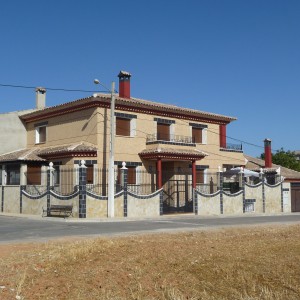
(208,183)
(177,183)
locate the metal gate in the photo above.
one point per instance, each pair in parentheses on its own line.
(295,197)
(177,188)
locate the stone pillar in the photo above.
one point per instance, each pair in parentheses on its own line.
(124,180)
(51,169)
(242,187)
(82,190)
(262,177)
(48,183)
(220,188)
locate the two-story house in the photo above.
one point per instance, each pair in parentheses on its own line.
(153,137)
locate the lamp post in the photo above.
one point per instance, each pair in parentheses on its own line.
(111,171)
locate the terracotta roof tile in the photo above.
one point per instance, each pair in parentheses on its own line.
(132,102)
(21,155)
(79,147)
(36,154)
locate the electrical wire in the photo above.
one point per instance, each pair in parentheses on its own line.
(52,89)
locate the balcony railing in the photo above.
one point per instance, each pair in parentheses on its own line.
(172,138)
(234,147)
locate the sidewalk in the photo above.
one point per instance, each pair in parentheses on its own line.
(128,219)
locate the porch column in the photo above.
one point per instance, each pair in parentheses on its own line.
(194,174)
(159,173)
(23,178)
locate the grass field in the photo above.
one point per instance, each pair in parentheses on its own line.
(237,263)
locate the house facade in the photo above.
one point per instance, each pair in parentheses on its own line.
(180,146)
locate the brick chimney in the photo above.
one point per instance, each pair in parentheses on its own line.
(268,153)
(124,84)
(40,97)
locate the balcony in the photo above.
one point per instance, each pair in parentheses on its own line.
(233,148)
(159,138)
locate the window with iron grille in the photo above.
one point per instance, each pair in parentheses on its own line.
(13,174)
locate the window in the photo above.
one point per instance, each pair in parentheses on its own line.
(40,134)
(199,176)
(131,175)
(90,174)
(163,132)
(13,174)
(125,124)
(33,175)
(197,135)
(122,126)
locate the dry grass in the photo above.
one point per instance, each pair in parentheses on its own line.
(254,263)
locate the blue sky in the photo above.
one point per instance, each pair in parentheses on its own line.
(237,58)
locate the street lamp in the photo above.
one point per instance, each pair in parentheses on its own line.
(111,171)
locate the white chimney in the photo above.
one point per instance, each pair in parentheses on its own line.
(40,97)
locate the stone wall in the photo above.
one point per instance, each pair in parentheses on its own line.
(11,199)
(273,198)
(261,198)
(208,204)
(138,207)
(233,204)
(33,206)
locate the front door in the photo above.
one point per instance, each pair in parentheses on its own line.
(295,197)
(177,188)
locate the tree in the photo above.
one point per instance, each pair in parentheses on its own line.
(285,159)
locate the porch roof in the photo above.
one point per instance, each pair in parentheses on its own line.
(172,154)
(78,149)
(21,155)
(44,154)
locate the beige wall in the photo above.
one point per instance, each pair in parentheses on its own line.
(66,129)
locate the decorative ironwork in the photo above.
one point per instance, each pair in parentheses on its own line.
(156,137)
(236,147)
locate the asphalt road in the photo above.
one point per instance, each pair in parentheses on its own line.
(17,229)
